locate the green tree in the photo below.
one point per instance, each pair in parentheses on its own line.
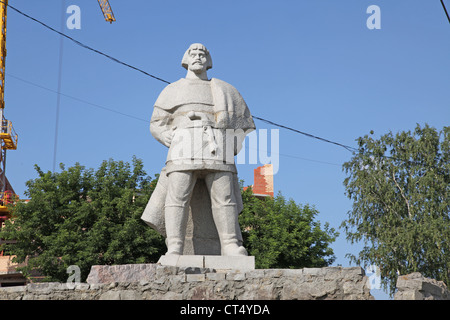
(400,188)
(283,234)
(84,217)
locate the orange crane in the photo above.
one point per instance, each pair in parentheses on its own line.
(107,11)
(8,137)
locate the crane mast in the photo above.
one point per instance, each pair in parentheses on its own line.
(8,137)
(3,7)
(107,11)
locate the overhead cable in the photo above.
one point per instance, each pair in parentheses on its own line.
(75,98)
(351,149)
(348,148)
(445,9)
(85,46)
(140,119)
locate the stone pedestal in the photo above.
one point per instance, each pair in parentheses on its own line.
(239,263)
(158,282)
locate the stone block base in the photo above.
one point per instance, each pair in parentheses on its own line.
(218,263)
(158,282)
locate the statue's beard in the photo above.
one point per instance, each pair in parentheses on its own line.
(197,68)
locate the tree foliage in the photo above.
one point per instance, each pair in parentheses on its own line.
(283,234)
(88,217)
(84,217)
(400,188)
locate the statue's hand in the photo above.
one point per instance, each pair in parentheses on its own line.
(167,136)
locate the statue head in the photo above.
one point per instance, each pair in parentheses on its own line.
(197,58)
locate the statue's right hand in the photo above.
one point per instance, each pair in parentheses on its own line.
(167,136)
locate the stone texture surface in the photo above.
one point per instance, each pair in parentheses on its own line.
(414,286)
(157,282)
(121,273)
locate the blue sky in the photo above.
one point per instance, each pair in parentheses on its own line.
(309,65)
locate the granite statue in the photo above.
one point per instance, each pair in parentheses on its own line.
(197,200)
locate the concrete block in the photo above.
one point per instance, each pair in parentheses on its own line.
(195,277)
(240,263)
(182,261)
(168,260)
(214,276)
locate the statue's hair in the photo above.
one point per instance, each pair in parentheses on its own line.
(198,46)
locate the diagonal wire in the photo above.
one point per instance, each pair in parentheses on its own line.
(348,148)
(137,118)
(445,9)
(351,149)
(77,99)
(85,46)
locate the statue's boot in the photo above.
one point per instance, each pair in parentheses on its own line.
(176,221)
(227,226)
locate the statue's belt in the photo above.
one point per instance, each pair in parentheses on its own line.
(207,128)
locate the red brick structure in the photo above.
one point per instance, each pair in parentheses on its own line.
(263,181)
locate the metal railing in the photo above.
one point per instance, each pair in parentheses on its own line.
(9,135)
(8,198)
